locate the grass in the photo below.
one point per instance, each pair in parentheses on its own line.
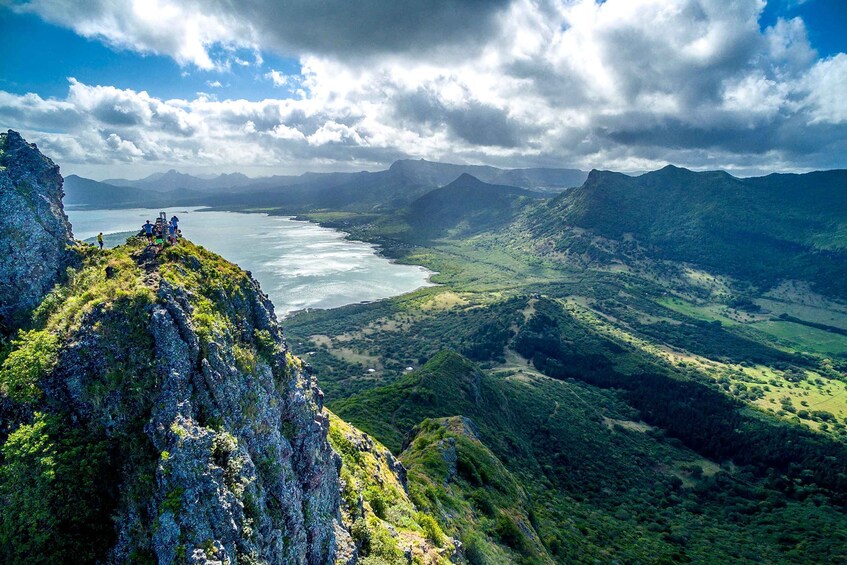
(63,312)
(387,520)
(804,338)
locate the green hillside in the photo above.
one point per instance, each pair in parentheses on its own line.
(654,401)
(466,206)
(763,229)
(598,480)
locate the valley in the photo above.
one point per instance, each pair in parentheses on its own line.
(623,342)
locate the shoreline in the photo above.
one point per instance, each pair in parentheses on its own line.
(375,248)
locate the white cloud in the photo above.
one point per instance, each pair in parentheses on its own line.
(214,84)
(618,84)
(826,85)
(278,78)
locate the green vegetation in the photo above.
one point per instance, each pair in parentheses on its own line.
(33,356)
(717,424)
(220,284)
(376,503)
(466,206)
(55,504)
(762,230)
(453,475)
(627,372)
(85,364)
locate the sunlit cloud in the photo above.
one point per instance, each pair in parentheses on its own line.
(555,83)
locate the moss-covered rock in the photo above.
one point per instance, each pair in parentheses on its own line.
(384,523)
(454,477)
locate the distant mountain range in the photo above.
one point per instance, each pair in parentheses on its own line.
(395,187)
(173,180)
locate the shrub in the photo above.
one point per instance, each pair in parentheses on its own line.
(475,550)
(54,506)
(361,535)
(376,499)
(34,355)
(508,531)
(431,529)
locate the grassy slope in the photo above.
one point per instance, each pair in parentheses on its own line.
(646,498)
(377,509)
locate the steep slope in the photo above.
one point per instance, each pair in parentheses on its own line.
(465,206)
(588,462)
(201,436)
(385,524)
(36,234)
(150,410)
(453,475)
(762,230)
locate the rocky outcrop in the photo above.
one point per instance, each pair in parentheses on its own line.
(35,231)
(151,409)
(231,423)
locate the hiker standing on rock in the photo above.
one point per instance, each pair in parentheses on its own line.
(100,239)
(148,231)
(172,232)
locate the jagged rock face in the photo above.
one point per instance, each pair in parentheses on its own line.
(265,483)
(35,231)
(152,410)
(243,469)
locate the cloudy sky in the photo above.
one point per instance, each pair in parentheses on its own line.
(129,87)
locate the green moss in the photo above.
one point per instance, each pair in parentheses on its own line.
(34,353)
(173,501)
(245,358)
(265,344)
(179,552)
(89,287)
(216,286)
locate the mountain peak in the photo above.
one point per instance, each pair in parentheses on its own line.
(466,179)
(31,200)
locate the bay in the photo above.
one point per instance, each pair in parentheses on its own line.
(299,264)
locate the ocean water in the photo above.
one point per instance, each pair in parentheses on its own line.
(299,264)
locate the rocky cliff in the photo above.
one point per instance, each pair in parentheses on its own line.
(35,230)
(154,411)
(149,407)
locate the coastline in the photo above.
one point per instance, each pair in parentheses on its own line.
(287,284)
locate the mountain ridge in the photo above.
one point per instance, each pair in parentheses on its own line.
(762,229)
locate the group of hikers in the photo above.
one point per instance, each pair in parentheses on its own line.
(162,231)
(157,233)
